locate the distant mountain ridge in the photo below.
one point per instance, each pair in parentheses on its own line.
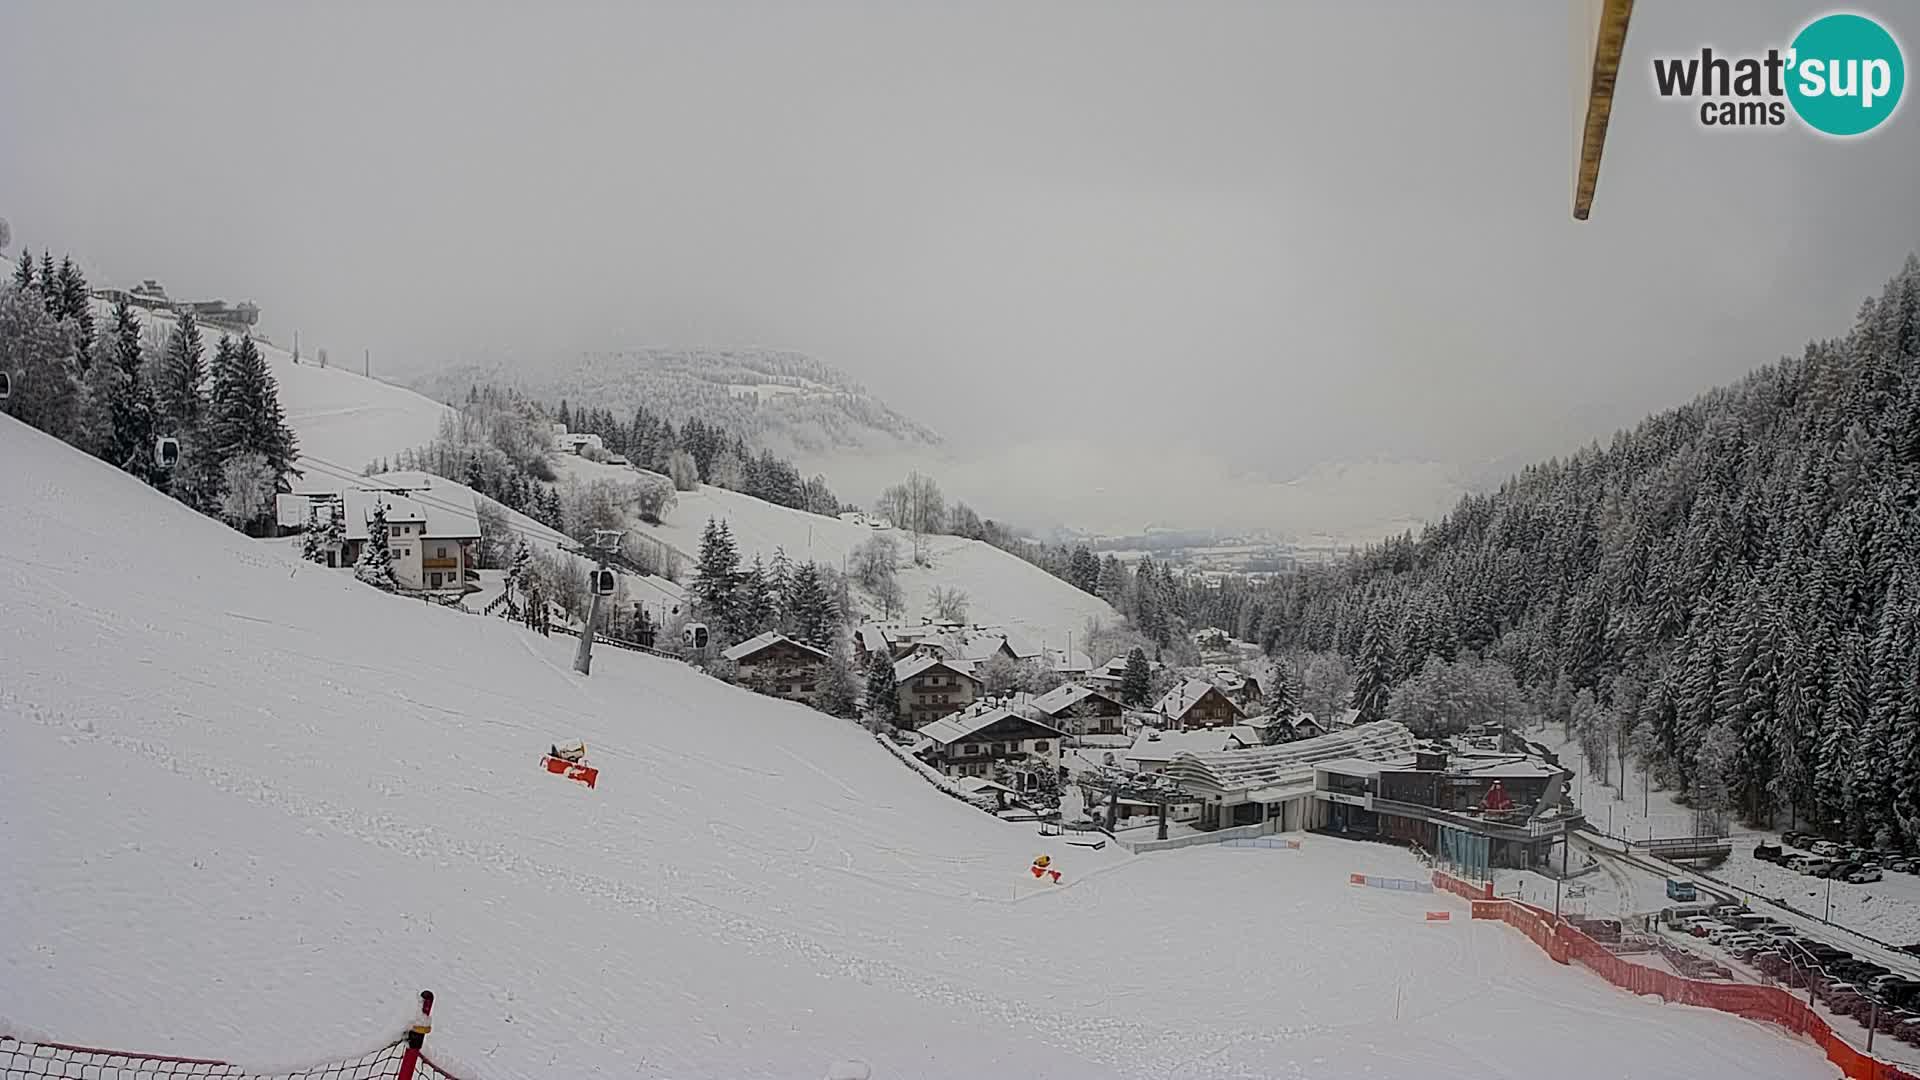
(786,401)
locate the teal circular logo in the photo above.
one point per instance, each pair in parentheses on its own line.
(1847,74)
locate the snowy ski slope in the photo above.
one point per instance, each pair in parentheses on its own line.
(343,418)
(248,807)
(1002,590)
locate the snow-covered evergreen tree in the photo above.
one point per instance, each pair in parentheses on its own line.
(814,619)
(180,384)
(310,538)
(1136,679)
(883,692)
(1373,675)
(38,353)
(716,573)
(751,609)
(376,558)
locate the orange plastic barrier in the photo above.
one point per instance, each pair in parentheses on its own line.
(1439,916)
(1448,883)
(1356,879)
(1769,1004)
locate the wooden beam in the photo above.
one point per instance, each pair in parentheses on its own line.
(1609,41)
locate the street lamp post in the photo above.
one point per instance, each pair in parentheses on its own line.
(1829,917)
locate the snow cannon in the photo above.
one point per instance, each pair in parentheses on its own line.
(1043,867)
(570,761)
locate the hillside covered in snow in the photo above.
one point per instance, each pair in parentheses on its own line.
(250,807)
(786,401)
(343,418)
(1002,590)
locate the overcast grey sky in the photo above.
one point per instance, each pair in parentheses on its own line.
(1268,235)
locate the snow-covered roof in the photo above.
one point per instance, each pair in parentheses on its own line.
(765,640)
(1066,696)
(1156,745)
(915,665)
(951,729)
(1352,766)
(1070,661)
(1507,768)
(1243,771)
(291,510)
(1021,648)
(978,648)
(873,639)
(444,513)
(974,785)
(1185,696)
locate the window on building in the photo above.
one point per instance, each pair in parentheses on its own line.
(973,748)
(442,552)
(393,530)
(1040,746)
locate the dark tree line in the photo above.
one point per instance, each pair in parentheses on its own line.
(1733,586)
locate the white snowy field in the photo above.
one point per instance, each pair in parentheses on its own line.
(1002,590)
(249,807)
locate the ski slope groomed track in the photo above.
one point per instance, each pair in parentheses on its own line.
(248,807)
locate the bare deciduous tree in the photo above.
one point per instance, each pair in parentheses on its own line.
(949,605)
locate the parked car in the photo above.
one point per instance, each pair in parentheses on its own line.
(1792,839)
(1772,853)
(1827,849)
(1864,875)
(1900,993)
(1819,867)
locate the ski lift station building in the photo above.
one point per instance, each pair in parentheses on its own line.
(1377,780)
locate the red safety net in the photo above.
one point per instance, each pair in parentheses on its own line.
(24,1060)
(1770,1004)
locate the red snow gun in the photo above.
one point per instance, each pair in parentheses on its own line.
(570,762)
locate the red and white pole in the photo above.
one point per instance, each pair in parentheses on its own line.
(417,1036)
